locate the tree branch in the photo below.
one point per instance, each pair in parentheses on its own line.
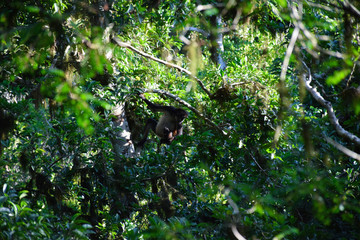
(350,8)
(343,149)
(128,46)
(329,109)
(195,29)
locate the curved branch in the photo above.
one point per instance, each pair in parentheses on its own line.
(128,46)
(343,149)
(186,104)
(329,109)
(195,29)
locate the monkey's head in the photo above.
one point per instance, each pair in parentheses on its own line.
(181,115)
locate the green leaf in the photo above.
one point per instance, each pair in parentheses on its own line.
(282,3)
(4,210)
(286,232)
(337,77)
(23,194)
(357,108)
(56,72)
(211,12)
(14,207)
(33,9)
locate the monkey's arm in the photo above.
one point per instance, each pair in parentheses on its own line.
(156,107)
(150,124)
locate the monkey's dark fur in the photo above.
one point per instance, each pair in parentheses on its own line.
(169,125)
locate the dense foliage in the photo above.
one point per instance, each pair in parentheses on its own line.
(269,150)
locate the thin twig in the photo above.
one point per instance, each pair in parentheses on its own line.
(128,46)
(352,71)
(289,51)
(284,69)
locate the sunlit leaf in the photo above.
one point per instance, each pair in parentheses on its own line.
(23,194)
(337,77)
(282,3)
(212,11)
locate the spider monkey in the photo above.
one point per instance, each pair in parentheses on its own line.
(169,125)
